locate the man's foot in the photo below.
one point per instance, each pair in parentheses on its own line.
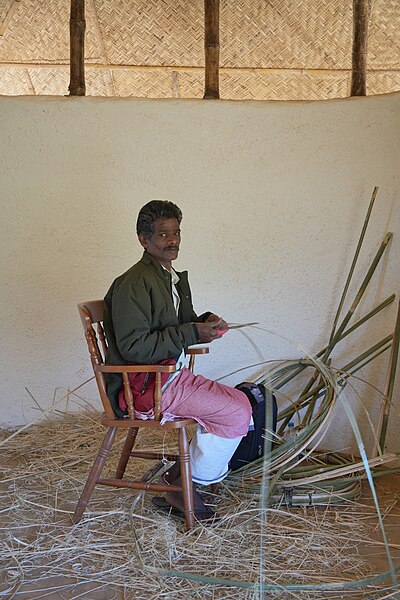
(162,504)
(174,500)
(201,510)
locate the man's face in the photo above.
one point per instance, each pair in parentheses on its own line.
(164,243)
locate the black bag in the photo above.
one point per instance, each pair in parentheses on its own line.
(251,446)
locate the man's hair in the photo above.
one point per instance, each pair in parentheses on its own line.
(156,209)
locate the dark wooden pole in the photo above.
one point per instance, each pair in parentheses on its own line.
(77,26)
(211,48)
(361,12)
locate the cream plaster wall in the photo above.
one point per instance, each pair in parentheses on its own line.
(274,196)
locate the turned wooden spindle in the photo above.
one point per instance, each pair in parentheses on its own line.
(102,338)
(157,397)
(128,395)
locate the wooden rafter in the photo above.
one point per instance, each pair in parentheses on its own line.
(361,12)
(77,28)
(211,48)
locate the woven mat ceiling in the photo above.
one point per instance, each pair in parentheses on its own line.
(270,49)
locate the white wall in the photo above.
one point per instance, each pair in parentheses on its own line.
(274,196)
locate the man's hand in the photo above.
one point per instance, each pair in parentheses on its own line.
(211,329)
(212,318)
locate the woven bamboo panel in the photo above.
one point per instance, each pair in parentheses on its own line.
(383,83)
(314,34)
(284,86)
(191,84)
(254,33)
(13,82)
(152,32)
(288,36)
(4,8)
(384,35)
(55,81)
(157,83)
(38,32)
(52,82)
(144,84)
(236,85)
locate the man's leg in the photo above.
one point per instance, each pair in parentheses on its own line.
(209,460)
(222,411)
(172,476)
(210,455)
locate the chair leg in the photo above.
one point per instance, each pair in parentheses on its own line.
(126,450)
(186,478)
(94,474)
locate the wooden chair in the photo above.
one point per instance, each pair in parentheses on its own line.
(91,314)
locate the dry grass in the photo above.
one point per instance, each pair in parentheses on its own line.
(44,556)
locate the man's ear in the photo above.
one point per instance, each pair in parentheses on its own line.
(143,241)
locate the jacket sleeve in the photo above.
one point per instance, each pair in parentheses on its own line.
(136,341)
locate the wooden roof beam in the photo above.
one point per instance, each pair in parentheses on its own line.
(211,48)
(77,26)
(361,13)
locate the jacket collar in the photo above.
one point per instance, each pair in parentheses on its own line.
(152,262)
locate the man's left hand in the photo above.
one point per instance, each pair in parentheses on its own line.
(222,325)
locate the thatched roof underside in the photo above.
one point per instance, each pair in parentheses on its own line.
(270,49)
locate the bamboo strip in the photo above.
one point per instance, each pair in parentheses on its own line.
(360,322)
(367,353)
(371,353)
(370,314)
(373,462)
(359,295)
(354,262)
(383,418)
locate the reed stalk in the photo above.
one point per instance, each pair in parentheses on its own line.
(391,378)
(358,297)
(354,262)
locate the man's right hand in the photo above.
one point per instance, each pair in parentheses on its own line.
(208,331)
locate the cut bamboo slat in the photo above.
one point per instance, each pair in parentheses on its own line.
(389,387)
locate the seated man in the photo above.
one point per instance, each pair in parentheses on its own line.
(149,318)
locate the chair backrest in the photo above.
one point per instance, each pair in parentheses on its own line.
(91,314)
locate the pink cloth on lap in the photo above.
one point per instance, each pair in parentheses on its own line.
(222,410)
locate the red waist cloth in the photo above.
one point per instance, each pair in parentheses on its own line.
(142,386)
(220,409)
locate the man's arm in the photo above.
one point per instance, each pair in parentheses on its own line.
(136,342)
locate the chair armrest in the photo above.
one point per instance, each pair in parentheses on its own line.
(192,351)
(134,368)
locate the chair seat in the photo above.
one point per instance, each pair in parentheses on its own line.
(126,423)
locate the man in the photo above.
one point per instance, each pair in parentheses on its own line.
(149,318)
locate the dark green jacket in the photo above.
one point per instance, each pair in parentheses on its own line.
(140,321)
